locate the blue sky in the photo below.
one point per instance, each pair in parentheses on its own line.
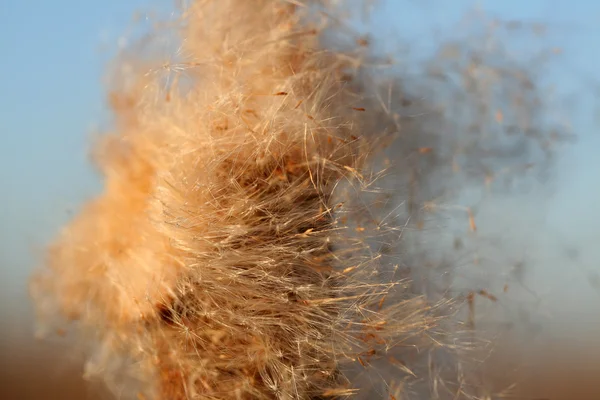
(53,57)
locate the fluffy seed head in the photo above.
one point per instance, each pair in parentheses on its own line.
(227,256)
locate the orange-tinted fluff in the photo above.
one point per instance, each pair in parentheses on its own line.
(225,255)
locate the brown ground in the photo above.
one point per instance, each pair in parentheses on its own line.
(567,373)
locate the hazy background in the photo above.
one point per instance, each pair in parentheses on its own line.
(51,99)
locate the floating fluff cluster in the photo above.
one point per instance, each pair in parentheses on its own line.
(230,254)
(270,224)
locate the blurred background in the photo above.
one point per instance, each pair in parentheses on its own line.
(52,100)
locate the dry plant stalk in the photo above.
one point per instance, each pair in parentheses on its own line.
(224,258)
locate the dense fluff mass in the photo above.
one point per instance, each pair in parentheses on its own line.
(225,256)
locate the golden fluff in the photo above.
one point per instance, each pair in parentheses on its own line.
(228,256)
